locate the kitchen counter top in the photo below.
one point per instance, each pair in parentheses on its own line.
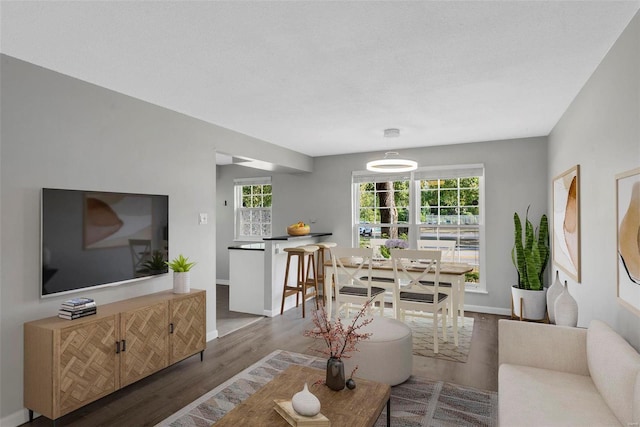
(249,247)
(287,237)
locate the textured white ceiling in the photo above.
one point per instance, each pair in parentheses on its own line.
(327,77)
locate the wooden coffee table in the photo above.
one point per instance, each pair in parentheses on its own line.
(358,407)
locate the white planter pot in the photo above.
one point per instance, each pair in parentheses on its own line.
(181,283)
(534,303)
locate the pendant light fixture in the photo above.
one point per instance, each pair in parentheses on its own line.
(391,162)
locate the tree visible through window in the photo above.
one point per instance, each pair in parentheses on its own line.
(253,208)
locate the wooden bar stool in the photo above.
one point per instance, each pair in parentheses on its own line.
(303,281)
(323,247)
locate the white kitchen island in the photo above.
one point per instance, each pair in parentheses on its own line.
(256,272)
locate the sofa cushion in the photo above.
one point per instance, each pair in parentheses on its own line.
(614,367)
(540,397)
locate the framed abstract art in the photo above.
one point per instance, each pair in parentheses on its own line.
(566,222)
(628,238)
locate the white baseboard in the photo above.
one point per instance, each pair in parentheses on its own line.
(222,282)
(17,418)
(488,310)
(212,335)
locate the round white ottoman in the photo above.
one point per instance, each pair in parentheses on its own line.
(386,356)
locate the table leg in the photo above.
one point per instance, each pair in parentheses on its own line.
(328,290)
(461,299)
(455,297)
(389,412)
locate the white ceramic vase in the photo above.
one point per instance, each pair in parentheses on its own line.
(305,403)
(534,303)
(181,282)
(566,308)
(553,293)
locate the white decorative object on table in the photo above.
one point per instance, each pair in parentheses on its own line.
(566,308)
(305,403)
(553,293)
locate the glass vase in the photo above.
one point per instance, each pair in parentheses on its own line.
(335,374)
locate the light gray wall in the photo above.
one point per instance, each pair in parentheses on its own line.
(60,132)
(515,171)
(601,132)
(225,214)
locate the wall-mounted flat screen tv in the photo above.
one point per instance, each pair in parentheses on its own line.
(97,238)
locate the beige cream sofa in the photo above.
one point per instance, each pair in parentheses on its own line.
(559,376)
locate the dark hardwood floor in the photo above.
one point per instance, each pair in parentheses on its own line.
(152,399)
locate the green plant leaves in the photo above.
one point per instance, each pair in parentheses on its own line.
(530,258)
(180,264)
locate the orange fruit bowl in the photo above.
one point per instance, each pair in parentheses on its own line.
(298,231)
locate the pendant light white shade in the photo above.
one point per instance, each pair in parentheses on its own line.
(391,163)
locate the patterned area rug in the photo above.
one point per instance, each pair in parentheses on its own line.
(417,402)
(423,339)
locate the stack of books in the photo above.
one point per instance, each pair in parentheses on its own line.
(76,308)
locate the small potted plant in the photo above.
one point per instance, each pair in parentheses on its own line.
(530,259)
(385,250)
(340,339)
(157,264)
(181,279)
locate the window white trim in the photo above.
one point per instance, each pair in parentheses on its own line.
(449,172)
(238,183)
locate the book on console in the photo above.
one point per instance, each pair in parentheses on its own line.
(74,302)
(89,310)
(78,307)
(75,315)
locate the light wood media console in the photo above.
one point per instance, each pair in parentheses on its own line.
(70,363)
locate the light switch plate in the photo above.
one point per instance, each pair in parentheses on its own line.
(204,218)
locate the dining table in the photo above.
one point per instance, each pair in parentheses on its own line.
(451,282)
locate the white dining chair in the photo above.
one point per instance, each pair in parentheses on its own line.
(448,248)
(353,285)
(417,296)
(375,245)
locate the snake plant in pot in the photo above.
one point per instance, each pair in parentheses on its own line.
(530,258)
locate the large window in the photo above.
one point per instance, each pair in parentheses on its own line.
(383,209)
(253,208)
(443,204)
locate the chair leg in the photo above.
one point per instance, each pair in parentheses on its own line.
(312,266)
(300,281)
(302,285)
(435,332)
(455,331)
(444,325)
(321,276)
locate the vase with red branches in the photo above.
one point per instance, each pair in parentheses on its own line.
(341,338)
